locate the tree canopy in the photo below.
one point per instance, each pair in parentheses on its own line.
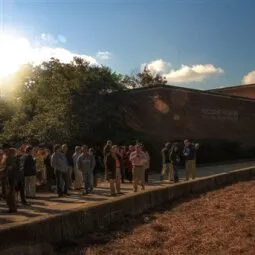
(44,99)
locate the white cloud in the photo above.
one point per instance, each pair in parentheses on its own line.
(51,39)
(62,39)
(158,66)
(17,51)
(249,78)
(186,73)
(104,55)
(48,38)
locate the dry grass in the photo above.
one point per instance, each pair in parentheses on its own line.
(221,222)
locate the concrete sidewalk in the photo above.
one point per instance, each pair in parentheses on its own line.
(48,204)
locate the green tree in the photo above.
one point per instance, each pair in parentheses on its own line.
(144,78)
(7,110)
(44,96)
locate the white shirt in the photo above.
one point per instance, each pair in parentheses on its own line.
(138,159)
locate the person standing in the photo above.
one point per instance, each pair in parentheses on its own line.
(93,180)
(51,178)
(129,167)
(175,156)
(106,151)
(12,169)
(40,167)
(70,171)
(60,165)
(78,179)
(189,153)
(3,171)
(98,164)
(167,169)
(20,188)
(113,171)
(121,154)
(147,165)
(138,160)
(28,167)
(85,164)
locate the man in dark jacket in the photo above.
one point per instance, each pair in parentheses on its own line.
(189,153)
(70,170)
(27,166)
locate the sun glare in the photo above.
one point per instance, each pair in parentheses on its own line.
(13,53)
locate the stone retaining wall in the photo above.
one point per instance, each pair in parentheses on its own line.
(29,238)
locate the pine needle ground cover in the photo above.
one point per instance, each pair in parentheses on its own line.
(219,222)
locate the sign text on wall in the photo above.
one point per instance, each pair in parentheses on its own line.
(219,114)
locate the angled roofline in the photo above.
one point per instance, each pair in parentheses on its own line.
(233,87)
(206,92)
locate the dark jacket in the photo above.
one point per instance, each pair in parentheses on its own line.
(175,157)
(49,169)
(111,166)
(27,165)
(165,155)
(69,158)
(189,152)
(12,170)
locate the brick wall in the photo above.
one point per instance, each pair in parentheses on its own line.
(169,114)
(243,91)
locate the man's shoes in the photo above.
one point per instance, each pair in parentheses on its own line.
(113,195)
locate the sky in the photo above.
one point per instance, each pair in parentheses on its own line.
(201,44)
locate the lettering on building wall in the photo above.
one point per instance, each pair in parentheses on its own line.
(219,114)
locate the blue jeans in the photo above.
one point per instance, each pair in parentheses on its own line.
(88,181)
(62,182)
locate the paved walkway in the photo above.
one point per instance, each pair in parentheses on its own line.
(48,204)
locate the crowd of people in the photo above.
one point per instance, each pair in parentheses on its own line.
(61,170)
